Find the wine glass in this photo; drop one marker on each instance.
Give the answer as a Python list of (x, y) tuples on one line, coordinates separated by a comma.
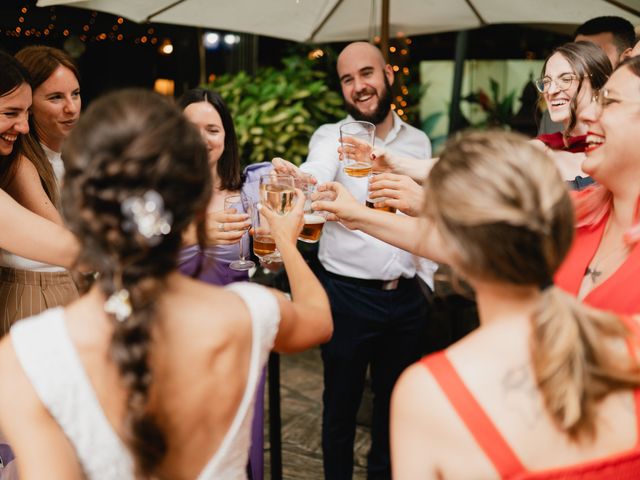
[(278, 192), (237, 203)]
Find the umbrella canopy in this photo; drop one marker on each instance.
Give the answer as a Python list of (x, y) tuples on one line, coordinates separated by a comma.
[(344, 20)]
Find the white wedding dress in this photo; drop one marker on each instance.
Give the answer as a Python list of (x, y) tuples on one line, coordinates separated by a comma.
[(51, 363)]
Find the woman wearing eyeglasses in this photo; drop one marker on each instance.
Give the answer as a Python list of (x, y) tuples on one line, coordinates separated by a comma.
[(603, 266), (570, 76)]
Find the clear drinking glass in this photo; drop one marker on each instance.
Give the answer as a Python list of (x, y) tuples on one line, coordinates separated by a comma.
[(239, 203), (278, 192), (264, 246), (375, 202), (357, 139), (313, 220)]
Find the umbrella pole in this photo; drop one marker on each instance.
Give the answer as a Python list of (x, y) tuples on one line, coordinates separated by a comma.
[(384, 30), (455, 115), (202, 58)]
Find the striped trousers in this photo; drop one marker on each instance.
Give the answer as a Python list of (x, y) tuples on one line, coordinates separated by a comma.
[(24, 293)]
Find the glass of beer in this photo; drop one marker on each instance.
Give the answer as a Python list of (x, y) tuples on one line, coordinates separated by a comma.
[(264, 246), (278, 192), (313, 220), (356, 139), (377, 202)]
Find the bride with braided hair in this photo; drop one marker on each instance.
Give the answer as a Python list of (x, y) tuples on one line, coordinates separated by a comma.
[(151, 374)]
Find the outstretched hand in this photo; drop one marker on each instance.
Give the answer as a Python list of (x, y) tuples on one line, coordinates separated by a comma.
[(398, 191), (226, 227), (284, 167), (285, 228), (334, 198), (356, 149)]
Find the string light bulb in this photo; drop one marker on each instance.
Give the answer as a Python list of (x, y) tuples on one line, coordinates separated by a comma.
[(166, 47)]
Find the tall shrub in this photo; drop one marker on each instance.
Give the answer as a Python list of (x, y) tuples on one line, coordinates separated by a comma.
[(276, 111)]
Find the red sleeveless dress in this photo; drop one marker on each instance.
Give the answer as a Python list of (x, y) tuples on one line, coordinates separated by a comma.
[(620, 293), (621, 466)]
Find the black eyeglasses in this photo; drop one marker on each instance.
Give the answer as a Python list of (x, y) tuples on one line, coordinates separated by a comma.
[(563, 82)]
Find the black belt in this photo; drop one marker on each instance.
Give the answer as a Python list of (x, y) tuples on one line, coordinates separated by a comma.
[(373, 284)]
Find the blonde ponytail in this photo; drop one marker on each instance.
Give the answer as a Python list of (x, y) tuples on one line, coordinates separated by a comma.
[(578, 360)]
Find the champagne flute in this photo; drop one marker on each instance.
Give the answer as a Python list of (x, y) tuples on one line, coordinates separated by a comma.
[(235, 202), (278, 192)]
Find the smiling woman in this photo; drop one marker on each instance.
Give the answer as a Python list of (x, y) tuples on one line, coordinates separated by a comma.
[(603, 267), (26, 286), (570, 75)]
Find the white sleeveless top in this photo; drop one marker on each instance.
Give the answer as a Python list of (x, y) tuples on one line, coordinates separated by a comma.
[(11, 260), (49, 358)]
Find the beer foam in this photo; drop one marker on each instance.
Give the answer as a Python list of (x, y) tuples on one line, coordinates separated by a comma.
[(313, 218)]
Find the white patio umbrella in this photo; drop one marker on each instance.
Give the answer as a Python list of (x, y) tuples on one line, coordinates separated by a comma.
[(344, 20)]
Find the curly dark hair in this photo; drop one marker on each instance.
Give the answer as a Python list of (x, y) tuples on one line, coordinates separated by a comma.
[(127, 143)]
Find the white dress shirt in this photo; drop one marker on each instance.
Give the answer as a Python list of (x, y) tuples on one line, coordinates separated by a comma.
[(8, 259), (354, 253)]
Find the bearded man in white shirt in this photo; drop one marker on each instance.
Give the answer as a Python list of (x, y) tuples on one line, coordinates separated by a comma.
[(379, 310)]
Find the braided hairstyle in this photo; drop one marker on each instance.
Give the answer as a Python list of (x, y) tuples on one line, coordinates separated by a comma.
[(127, 143), (506, 216)]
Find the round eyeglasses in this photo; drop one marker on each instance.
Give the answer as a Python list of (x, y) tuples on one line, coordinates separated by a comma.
[(563, 82), (603, 98)]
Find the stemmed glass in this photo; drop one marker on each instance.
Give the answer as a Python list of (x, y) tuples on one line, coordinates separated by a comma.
[(239, 203)]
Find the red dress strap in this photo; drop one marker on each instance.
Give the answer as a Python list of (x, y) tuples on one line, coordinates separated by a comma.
[(632, 344), (489, 439)]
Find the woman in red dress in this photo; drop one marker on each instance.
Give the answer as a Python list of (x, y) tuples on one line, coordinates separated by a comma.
[(546, 387), (603, 266)]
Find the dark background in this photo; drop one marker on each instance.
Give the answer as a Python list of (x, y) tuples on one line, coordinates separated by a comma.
[(112, 55)]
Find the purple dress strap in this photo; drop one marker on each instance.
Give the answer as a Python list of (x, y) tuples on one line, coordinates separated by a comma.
[(215, 270)]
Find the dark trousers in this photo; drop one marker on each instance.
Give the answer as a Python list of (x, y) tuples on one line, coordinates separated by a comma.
[(380, 328)]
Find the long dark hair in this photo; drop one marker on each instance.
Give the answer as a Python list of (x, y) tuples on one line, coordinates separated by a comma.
[(228, 167), (127, 143), (588, 61), (41, 61), (12, 76)]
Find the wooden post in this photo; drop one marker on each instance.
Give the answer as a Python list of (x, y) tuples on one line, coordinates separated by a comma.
[(455, 115), (384, 30)]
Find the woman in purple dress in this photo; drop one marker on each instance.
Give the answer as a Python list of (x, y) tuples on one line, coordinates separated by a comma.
[(207, 110)]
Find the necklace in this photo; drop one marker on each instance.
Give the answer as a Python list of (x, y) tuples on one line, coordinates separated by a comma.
[(593, 270)]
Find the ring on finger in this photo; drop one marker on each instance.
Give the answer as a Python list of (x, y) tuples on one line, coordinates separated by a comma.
[(221, 227)]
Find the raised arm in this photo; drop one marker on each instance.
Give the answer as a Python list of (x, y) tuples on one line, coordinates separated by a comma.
[(26, 188), (569, 164), (306, 319), (413, 234), (26, 234), (415, 168), (385, 160)]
